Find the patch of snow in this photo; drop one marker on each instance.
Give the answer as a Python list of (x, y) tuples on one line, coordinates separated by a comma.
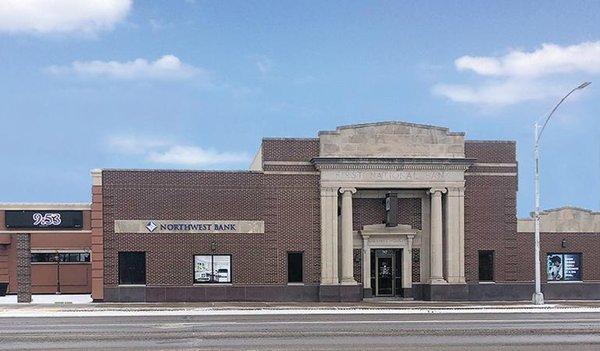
[(49, 299)]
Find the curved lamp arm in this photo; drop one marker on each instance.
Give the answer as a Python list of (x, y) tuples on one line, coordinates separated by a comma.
[(581, 86)]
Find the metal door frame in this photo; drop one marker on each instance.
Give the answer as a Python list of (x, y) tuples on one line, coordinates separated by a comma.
[(393, 257)]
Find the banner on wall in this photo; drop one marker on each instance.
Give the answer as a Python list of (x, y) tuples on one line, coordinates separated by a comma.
[(564, 267)]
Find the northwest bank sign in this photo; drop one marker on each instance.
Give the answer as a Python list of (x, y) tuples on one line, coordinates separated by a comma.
[(185, 226)]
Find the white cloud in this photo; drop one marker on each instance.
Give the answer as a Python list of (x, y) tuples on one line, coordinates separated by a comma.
[(165, 151), (61, 16), (133, 144), (167, 67), (497, 93), (195, 156), (547, 72), (547, 60)]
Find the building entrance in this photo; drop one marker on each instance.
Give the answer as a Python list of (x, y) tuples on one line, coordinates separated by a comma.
[(386, 272)]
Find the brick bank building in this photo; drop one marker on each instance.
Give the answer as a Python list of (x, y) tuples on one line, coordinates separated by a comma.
[(384, 209)]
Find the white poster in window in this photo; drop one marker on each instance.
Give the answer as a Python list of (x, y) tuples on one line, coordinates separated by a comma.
[(203, 269), (555, 267), (222, 269)]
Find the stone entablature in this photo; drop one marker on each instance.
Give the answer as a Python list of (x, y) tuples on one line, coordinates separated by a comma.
[(392, 173), (381, 237), (563, 220), (391, 139)]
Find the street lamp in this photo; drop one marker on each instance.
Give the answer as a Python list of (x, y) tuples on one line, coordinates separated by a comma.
[(538, 297)]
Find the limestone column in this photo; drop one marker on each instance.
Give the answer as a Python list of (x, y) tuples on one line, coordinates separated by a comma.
[(329, 236), (424, 257), (454, 230), (436, 239), (461, 233), (366, 263), (407, 266), (347, 264)]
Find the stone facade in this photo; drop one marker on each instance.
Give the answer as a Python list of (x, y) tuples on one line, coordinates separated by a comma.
[(391, 139)]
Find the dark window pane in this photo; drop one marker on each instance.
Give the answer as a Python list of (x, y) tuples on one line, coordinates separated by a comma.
[(42, 257), (132, 268), (84, 257), (295, 267), (486, 266)]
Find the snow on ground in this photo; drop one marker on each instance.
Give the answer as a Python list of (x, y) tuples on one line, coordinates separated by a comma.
[(49, 299), (299, 311)]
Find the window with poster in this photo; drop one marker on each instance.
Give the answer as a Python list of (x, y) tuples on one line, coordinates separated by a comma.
[(212, 269), (563, 267)]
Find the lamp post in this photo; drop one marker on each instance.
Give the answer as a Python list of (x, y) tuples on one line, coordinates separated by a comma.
[(538, 297)]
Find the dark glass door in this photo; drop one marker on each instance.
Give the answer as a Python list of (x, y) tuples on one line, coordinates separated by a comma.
[(385, 276)]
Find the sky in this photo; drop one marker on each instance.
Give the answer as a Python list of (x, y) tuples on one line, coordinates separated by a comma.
[(196, 84)]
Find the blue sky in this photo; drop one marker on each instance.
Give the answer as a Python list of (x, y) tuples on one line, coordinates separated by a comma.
[(197, 84)]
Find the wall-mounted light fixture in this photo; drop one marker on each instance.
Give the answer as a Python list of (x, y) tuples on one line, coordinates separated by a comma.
[(563, 243), (213, 246)]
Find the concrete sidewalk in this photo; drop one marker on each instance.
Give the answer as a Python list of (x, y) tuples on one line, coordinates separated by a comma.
[(61, 308)]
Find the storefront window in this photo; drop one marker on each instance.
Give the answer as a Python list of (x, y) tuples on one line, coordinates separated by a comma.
[(563, 266), (74, 257), (132, 268), (212, 269)]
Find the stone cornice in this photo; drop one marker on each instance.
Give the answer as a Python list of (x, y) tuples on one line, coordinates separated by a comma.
[(387, 123), (396, 164), (43, 206)]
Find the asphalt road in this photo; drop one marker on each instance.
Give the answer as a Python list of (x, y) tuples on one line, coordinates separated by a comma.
[(552, 331)]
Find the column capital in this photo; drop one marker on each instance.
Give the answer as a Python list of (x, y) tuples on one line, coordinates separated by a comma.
[(345, 190), (456, 191), (435, 191), (328, 192)]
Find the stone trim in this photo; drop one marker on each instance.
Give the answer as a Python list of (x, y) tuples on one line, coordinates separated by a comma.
[(563, 220), (291, 172), (46, 206), (96, 177), (287, 163), (487, 164), (35, 231), (491, 174), (397, 164), (363, 125)]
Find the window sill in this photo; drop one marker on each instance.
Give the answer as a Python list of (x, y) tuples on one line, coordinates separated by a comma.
[(130, 285), (564, 282), (295, 284), (212, 284), (487, 282)]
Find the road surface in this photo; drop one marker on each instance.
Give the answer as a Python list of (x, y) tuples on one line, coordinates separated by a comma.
[(523, 331)]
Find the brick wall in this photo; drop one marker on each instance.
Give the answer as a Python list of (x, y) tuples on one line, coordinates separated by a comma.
[(588, 244), (289, 205), (372, 211), (289, 149), (490, 209), (23, 267), (416, 266)]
